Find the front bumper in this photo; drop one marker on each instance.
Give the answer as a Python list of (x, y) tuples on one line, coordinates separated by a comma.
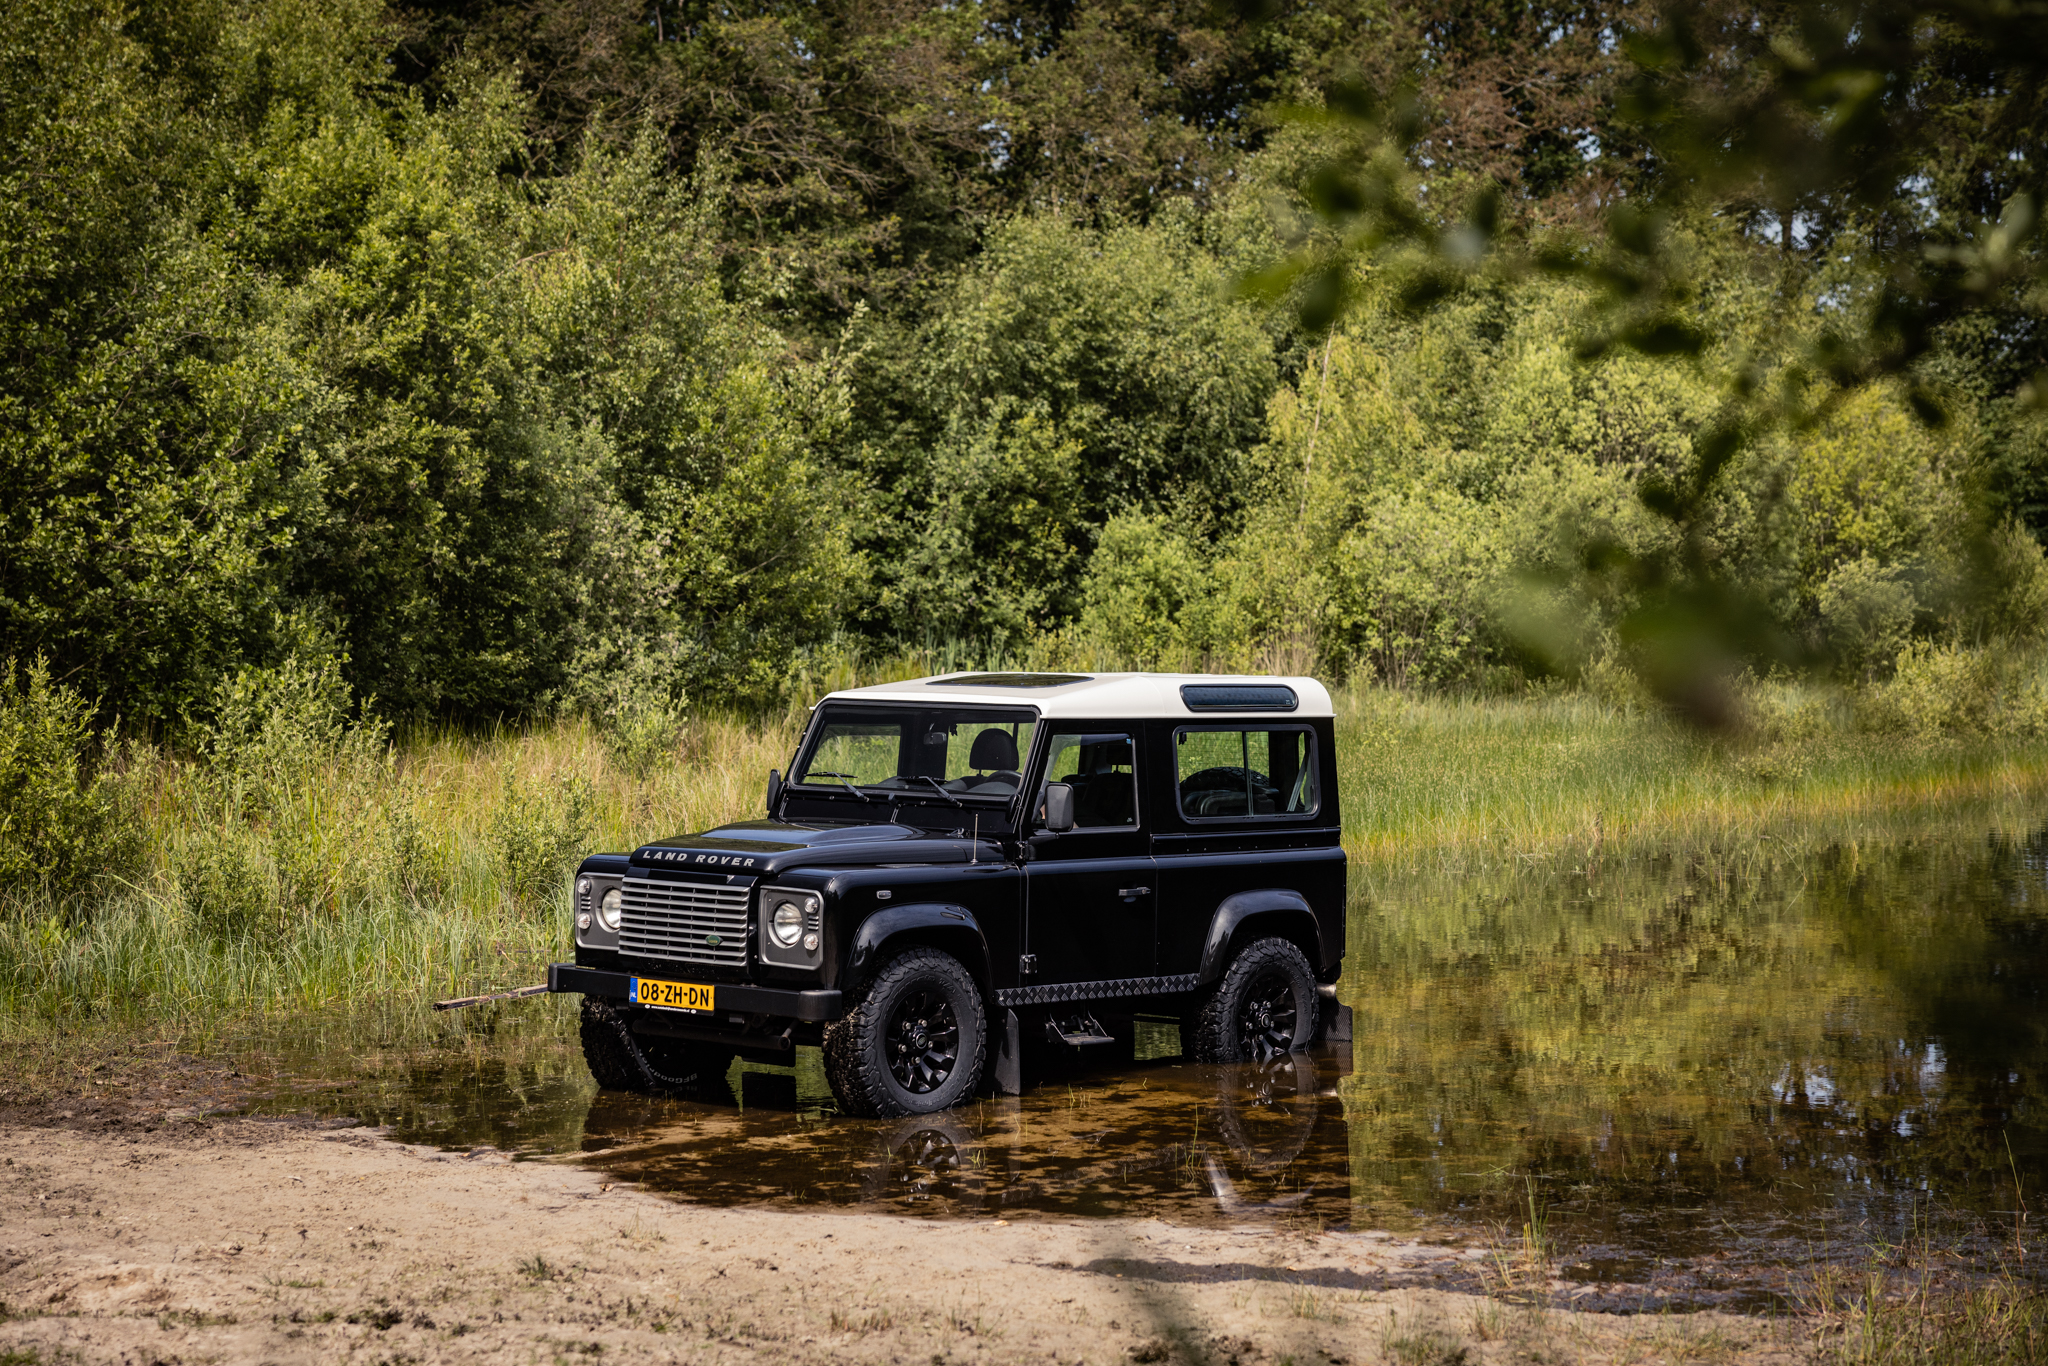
[(811, 1006)]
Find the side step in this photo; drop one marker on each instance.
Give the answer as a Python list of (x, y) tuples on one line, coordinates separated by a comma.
[(1080, 1030)]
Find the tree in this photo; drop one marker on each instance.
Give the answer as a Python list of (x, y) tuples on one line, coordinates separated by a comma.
[(1068, 376), (1908, 139), (317, 370)]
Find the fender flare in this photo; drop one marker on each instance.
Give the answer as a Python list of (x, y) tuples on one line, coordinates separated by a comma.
[(932, 922), (1285, 907)]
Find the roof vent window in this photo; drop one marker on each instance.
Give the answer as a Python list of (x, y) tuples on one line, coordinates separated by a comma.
[(1238, 697), (1008, 681)]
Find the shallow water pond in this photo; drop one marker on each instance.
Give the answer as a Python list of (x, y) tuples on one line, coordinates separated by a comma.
[(1685, 1074)]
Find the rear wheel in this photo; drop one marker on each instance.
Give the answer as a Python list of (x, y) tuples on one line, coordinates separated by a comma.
[(914, 1042), (1264, 1006)]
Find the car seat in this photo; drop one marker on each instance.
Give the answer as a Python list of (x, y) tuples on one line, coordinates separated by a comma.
[(993, 750), (1102, 795)]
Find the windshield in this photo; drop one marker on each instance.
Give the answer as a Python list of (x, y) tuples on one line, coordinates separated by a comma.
[(954, 751)]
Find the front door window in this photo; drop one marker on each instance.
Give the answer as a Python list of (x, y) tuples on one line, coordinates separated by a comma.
[(1103, 771)]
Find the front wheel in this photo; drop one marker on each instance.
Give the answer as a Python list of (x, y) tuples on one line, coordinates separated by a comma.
[(915, 1041), (1262, 1007)]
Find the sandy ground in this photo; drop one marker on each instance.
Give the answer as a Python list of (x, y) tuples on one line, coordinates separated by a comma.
[(146, 1239)]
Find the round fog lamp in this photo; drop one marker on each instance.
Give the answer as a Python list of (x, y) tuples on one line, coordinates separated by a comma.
[(787, 922), (608, 909)]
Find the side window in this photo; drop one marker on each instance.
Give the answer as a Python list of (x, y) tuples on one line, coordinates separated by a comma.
[(1103, 771), (1239, 772)]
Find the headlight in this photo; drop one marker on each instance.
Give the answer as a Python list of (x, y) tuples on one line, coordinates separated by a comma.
[(787, 922), (609, 907)]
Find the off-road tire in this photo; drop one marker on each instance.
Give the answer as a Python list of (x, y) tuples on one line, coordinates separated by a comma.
[(606, 1050), (1240, 1017), (619, 1061), (861, 1048)]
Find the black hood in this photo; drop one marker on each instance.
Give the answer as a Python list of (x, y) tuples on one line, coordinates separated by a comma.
[(757, 847)]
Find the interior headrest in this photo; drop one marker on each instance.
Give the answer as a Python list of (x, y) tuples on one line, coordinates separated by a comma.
[(1104, 755), (993, 749)]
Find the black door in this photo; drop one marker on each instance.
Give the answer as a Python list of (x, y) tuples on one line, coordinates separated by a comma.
[(1091, 892)]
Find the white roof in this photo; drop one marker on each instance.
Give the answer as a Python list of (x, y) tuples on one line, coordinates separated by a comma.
[(1093, 696)]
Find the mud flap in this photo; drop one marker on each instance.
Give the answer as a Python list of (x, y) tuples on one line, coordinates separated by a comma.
[(1333, 1020), (1009, 1068)]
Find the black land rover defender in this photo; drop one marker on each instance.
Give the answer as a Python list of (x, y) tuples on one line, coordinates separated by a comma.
[(956, 862)]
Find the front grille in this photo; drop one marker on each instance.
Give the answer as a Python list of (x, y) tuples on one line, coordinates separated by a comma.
[(672, 919)]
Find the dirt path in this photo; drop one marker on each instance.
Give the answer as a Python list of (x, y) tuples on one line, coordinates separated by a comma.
[(248, 1241)]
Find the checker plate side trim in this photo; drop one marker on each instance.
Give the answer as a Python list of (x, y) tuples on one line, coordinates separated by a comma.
[(1055, 993)]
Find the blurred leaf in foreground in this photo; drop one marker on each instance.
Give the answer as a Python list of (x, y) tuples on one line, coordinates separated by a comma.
[(1885, 159)]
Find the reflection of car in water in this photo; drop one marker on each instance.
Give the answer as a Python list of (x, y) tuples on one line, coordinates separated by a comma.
[(924, 1158), (1267, 1112), (1244, 1142), (959, 865)]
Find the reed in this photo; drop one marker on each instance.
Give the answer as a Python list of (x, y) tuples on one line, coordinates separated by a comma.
[(1910, 1306), (439, 871), (1457, 784), (369, 881)]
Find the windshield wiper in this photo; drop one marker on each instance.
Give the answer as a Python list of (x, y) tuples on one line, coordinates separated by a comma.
[(939, 788), (842, 777)]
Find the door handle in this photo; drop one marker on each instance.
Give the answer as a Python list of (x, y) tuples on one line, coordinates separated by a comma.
[(1134, 891)]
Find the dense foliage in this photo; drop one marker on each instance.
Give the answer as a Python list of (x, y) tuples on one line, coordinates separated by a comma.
[(506, 359)]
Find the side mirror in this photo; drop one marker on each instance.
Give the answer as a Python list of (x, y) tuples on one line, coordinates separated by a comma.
[(774, 791), (1059, 807)]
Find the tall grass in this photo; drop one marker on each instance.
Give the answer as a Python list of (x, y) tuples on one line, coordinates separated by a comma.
[(300, 870), (441, 871), (1457, 783), (1915, 1305)]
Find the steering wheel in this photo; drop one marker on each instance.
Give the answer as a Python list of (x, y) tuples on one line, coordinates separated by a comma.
[(1230, 779)]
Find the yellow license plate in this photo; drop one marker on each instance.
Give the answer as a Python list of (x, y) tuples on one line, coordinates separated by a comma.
[(674, 995)]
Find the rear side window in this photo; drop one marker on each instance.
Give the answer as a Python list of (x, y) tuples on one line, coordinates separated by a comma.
[(1240, 772)]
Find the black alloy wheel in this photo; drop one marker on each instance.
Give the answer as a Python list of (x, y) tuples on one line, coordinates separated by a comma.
[(1263, 1007), (1266, 1017), (914, 1041), (922, 1041)]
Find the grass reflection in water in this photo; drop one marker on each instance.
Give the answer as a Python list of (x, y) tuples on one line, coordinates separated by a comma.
[(1738, 1056), (1699, 1076)]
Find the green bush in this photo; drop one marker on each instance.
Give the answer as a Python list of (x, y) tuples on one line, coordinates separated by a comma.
[(1938, 689), (281, 759), (59, 825), (538, 832), (224, 885), (418, 860), (1868, 614), (1068, 377), (1416, 585), (274, 736), (1141, 583)]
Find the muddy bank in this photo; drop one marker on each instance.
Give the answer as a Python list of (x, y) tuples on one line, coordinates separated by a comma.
[(246, 1241)]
